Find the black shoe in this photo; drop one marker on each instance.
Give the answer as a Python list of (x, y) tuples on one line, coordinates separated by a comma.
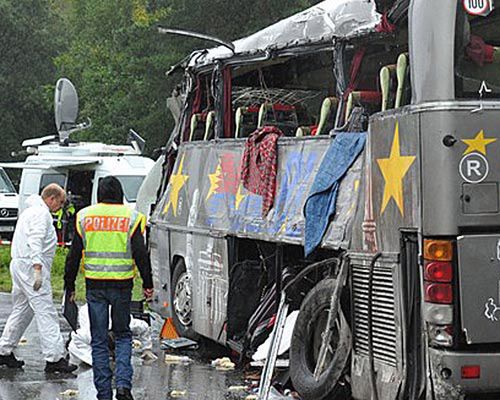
[(11, 361), (123, 394), (61, 366)]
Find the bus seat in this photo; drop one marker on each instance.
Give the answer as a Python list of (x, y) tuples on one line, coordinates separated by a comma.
[(327, 115), (263, 110), (326, 119), (283, 116), (303, 131), (209, 126), (402, 69), (362, 98), (197, 127), (387, 86), (245, 120)]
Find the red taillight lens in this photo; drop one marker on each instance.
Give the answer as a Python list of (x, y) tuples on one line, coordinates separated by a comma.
[(440, 293), (438, 271), (471, 372)]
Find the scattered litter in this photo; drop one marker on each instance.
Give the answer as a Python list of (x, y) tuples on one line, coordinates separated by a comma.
[(274, 394), (178, 343), (280, 363), (172, 359), (253, 375), (178, 393), (234, 389), (136, 344), (70, 393), (23, 341), (223, 364), (286, 339), (148, 355)]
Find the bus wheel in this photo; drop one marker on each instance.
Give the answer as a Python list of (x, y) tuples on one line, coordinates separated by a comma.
[(182, 301), (306, 343)]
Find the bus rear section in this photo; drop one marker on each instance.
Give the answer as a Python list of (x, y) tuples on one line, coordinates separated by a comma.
[(461, 245), (460, 211)]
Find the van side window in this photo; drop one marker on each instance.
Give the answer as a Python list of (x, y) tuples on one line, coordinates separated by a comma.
[(47, 179)]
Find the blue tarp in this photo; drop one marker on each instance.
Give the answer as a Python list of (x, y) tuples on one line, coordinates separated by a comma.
[(321, 202)]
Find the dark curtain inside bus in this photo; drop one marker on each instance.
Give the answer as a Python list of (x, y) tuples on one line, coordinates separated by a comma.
[(245, 290)]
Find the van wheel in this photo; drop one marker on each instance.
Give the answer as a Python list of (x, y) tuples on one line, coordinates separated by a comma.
[(182, 302), (306, 343)]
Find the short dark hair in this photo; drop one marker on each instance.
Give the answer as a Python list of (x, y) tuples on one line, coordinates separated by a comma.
[(110, 190)]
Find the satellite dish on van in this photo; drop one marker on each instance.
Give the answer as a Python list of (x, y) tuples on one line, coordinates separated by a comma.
[(65, 105), (66, 109)]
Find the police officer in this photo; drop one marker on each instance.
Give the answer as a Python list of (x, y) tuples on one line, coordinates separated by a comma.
[(110, 234)]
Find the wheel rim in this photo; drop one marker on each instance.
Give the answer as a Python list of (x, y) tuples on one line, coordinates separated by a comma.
[(316, 328), (182, 299)]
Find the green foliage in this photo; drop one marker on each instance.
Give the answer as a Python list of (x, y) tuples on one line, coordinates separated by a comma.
[(117, 60), (57, 276), (113, 54), (31, 38)]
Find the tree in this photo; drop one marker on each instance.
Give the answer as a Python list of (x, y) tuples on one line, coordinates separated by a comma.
[(30, 33), (117, 60)]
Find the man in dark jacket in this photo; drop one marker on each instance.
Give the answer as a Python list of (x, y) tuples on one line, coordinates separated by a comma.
[(110, 237)]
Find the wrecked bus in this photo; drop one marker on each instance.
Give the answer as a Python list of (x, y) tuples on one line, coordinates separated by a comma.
[(348, 158)]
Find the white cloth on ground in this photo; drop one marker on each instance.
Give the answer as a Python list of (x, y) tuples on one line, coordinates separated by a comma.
[(79, 347)]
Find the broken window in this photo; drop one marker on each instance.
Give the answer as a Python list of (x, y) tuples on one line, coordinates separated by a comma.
[(477, 55)]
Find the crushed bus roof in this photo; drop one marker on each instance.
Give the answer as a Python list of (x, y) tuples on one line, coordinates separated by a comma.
[(318, 24)]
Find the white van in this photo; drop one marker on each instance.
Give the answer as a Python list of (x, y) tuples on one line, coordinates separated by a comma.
[(8, 206), (78, 166)]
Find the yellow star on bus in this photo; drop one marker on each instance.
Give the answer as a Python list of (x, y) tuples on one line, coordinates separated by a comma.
[(479, 143), (215, 179), (239, 197), (176, 183), (394, 170)]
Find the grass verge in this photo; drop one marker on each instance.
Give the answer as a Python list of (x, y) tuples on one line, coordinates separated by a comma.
[(57, 275)]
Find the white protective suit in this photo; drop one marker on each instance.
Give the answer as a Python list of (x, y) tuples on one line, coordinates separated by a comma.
[(34, 242)]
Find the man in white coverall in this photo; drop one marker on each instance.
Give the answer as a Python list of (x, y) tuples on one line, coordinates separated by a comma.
[(32, 252)]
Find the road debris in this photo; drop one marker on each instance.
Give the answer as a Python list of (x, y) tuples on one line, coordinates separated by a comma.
[(223, 364), (178, 343), (69, 393), (173, 359), (148, 355), (178, 393), (234, 389)]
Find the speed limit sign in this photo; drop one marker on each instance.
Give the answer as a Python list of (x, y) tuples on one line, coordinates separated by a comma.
[(478, 7)]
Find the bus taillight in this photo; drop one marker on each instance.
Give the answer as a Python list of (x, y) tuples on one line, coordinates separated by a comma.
[(439, 250), (438, 271), (440, 293), (438, 290)]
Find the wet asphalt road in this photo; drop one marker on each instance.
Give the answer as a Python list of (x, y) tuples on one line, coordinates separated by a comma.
[(154, 381)]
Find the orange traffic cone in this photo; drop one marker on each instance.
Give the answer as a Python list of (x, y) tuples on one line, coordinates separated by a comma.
[(168, 330)]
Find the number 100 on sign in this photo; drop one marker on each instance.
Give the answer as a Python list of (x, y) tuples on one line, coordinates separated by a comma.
[(478, 7)]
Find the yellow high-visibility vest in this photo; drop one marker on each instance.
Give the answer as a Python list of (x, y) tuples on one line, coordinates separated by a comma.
[(106, 231)]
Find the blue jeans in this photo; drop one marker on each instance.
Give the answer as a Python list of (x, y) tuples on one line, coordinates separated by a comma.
[(99, 301)]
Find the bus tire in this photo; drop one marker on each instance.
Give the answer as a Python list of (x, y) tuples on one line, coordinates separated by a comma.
[(182, 302), (306, 341)]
